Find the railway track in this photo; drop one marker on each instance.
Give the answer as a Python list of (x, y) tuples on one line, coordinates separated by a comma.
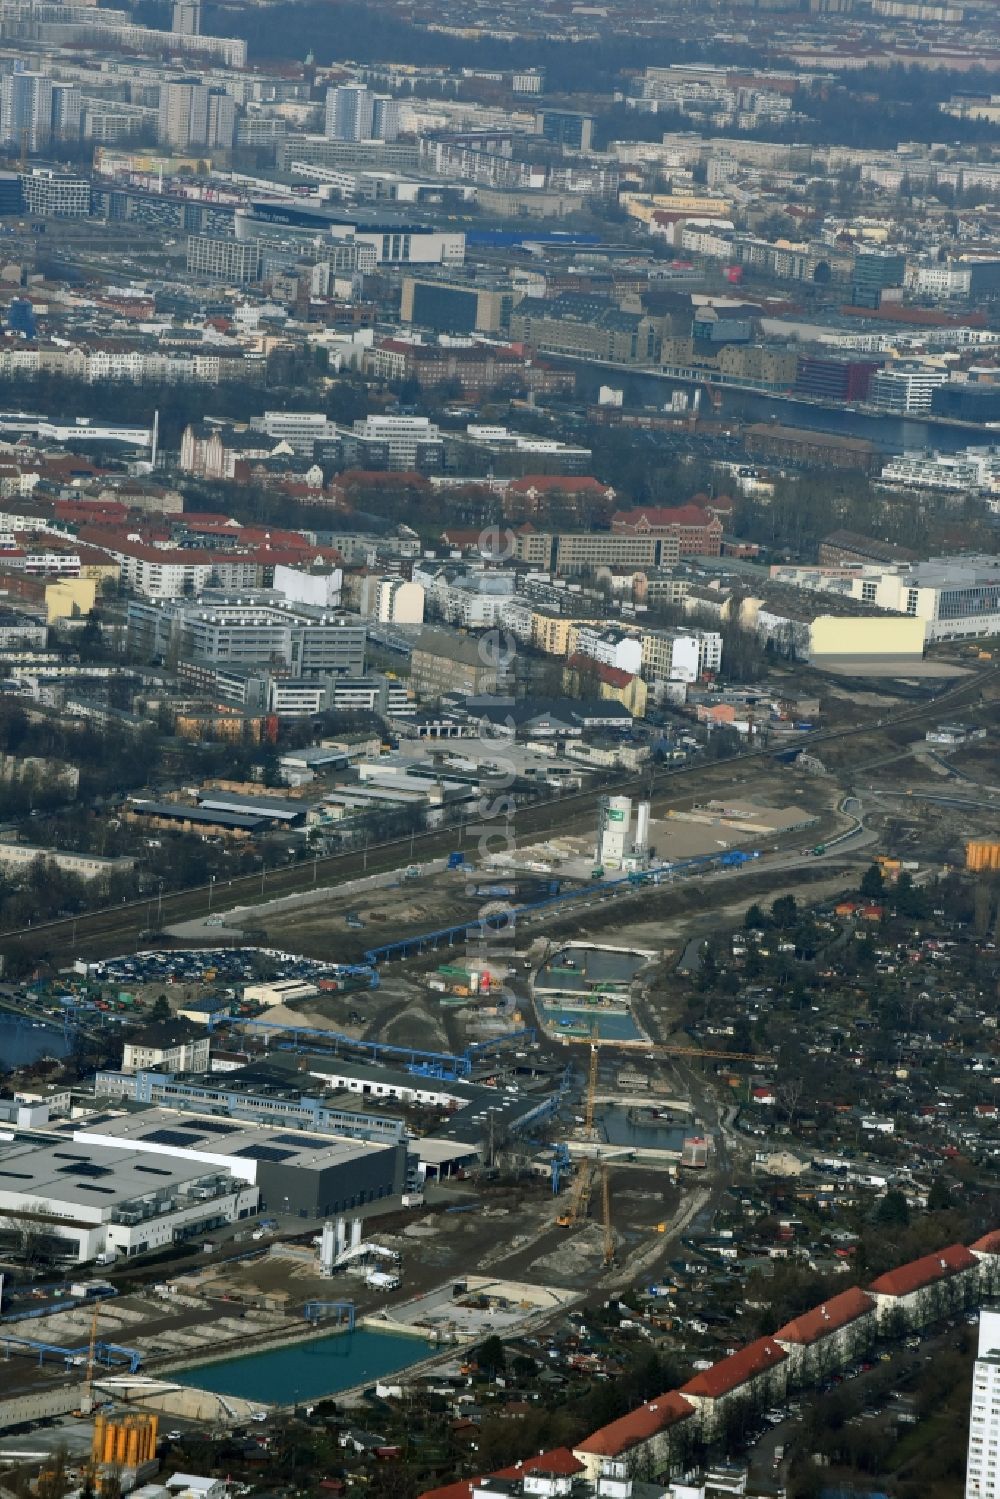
[(119, 928)]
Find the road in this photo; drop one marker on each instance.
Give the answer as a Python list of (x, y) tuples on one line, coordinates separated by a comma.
[(119, 928)]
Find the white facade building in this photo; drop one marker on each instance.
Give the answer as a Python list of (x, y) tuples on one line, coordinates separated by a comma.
[(610, 648), (399, 602), (318, 587), (982, 1475), (680, 655), (977, 468), (939, 281), (403, 435), (98, 1200), (958, 598), (906, 387), (300, 429), (177, 1052)]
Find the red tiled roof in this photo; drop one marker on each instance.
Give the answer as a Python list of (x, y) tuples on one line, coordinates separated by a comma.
[(559, 1461), (614, 676), (459, 536), (462, 1490), (831, 1315), (989, 1243), (924, 1272), (637, 1426), (563, 483), (661, 515), (738, 1369)]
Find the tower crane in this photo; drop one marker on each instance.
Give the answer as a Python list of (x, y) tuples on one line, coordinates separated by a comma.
[(580, 1202), (588, 1113), (609, 1233), (87, 1403)]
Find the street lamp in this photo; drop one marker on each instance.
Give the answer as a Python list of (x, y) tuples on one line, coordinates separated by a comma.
[(211, 891)]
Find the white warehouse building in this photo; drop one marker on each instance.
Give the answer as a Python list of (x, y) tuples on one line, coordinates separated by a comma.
[(94, 1201)]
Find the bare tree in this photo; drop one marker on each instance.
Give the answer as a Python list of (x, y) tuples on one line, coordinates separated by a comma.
[(29, 1235), (788, 1093)]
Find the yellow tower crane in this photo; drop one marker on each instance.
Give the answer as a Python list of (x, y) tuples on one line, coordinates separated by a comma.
[(87, 1404), (609, 1233), (588, 1112), (580, 1202)]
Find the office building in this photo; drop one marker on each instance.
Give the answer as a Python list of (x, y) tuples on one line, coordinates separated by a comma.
[(957, 598), (258, 628), (906, 387), (827, 378), (876, 272), (226, 260), (26, 110), (302, 430), (172, 1046), (412, 442), (11, 199), (587, 327), (456, 306), (48, 194), (565, 127), (350, 112), (443, 662)]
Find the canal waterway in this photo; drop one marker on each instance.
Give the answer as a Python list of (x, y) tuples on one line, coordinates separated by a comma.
[(890, 434), (569, 990), (23, 1041), (308, 1371), (637, 1126)]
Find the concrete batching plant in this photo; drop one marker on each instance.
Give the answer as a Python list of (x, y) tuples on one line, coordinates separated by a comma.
[(616, 848)]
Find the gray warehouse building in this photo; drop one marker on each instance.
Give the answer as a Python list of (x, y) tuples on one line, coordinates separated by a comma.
[(297, 1172)]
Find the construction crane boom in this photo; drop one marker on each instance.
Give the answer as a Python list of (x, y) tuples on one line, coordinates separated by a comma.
[(664, 1049), (87, 1404), (609, 1233), (703, 1051), (580, 1201), (588, 1113)]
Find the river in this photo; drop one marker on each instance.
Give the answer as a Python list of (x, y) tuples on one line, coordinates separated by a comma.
[(891, 434)]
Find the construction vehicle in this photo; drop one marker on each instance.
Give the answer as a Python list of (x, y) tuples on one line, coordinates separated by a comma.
[(580, 1202)]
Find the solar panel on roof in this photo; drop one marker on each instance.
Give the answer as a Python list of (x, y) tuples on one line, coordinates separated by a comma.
[(264, 1153), (294, 1139), (217, 1127), (172, 1137), (84, 1168)]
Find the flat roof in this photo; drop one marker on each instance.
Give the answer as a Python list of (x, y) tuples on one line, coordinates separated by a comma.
[(177, 812), (168, 1131), (253, 806), (90, 1175)]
